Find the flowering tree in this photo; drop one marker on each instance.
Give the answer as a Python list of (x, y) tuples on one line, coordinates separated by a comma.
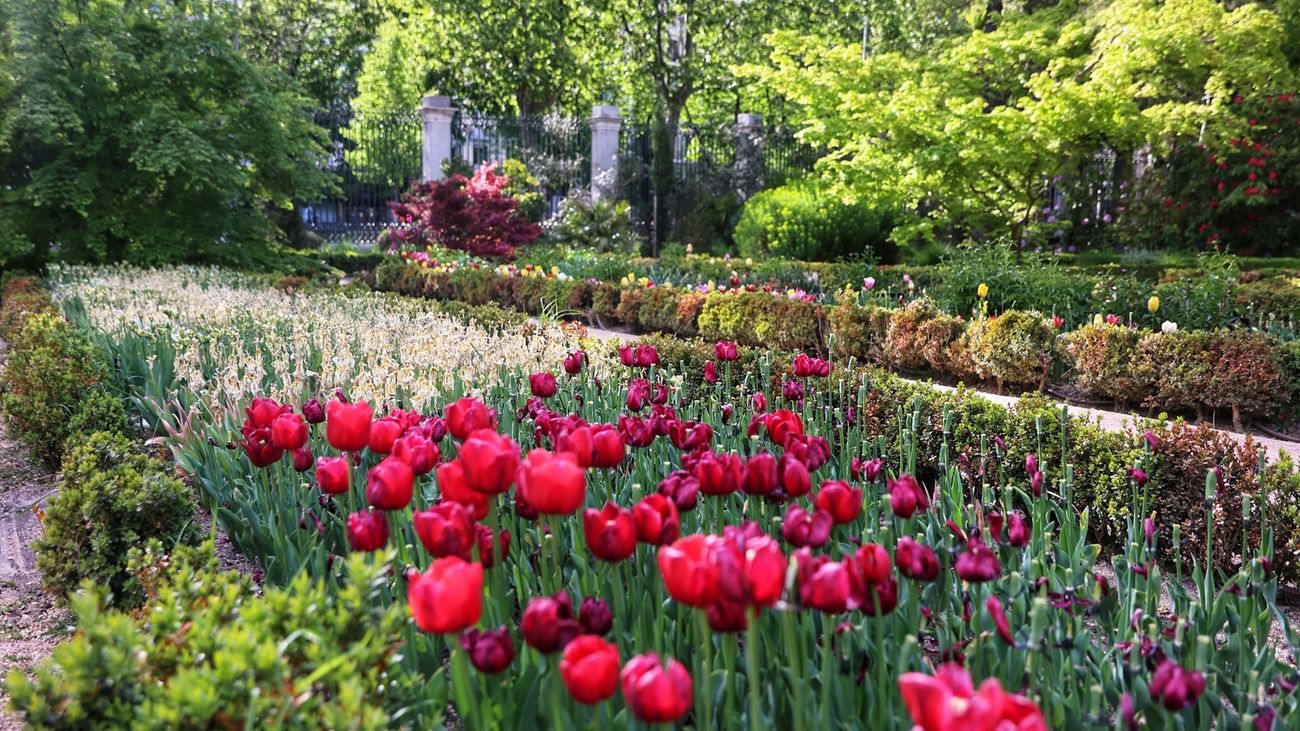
[(468, 214)]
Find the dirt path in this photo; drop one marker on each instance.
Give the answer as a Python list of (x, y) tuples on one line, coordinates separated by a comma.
[(30, 622), (1109, 420)]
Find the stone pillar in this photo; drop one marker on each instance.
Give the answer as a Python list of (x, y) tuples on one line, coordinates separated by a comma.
[(605, 126), (749, 155), (437, 113)]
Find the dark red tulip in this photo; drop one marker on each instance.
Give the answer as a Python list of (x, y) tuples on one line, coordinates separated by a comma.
[(1017, 531), (589, 669), (543, 385), (418, 452), (445, 529), (801, 529), (1128, 713), (995, 521), (454, 486), (574, 362), (812, 451), (809, 367), (873, 563), (548, 624), (710, 372), (1176, 687), (313, 412), (490, 551), (689, 571), (1036, 484), (878, 600), (655, 693), (334, 475), (999, 616), (491, 461), (552, 483), (792, 391), (978, 563), (1139, 476), (435, 428), (727, 616), (682, 488), (610, 532), (646, 356), (303, 459), (1152, 441), (448, 597), (257, 445), (638, 394), (725, 350), (347, 426), (389, 485), (657, 520), (916, 560), (826, 588), (289, 431), (635, 430), (760, 474), (595, 617), (367, 530), (468, 415), (868, 470), (759, 402), (793, 476), (906, 495), (718, 474), (490, 651), (727, 411), (1031, 464)]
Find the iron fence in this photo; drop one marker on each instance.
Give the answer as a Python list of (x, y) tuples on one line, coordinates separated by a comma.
[(555, 150)]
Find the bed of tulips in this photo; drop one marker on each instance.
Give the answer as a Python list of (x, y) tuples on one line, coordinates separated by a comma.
[(583, 548)]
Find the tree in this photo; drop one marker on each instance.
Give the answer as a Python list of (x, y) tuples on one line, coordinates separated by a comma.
[(134, 131)]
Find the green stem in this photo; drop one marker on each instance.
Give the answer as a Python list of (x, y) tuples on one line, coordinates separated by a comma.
[(706, 681), (751, 671), (799, 676), (461, 686)]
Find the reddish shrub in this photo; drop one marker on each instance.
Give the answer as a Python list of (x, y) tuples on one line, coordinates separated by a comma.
[(467, 214)]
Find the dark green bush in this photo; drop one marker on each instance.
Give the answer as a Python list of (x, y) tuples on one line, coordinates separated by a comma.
[(601, 226), (213, 652), (800, 222), (112, 499)]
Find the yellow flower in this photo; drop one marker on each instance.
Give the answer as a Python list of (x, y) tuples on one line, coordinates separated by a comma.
[(1153, 304), (983, 290), (1097, 319)]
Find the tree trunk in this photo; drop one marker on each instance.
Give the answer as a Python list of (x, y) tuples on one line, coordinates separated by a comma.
[(992, 15)]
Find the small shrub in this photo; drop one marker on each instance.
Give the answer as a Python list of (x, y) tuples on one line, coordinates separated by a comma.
[(799, 222), (903, 343), (761, 319), (98, 411), (215, 654), (1103, 361), (859, 332), (1016, 348), (112, 498), (1173, 370), (1247, 375), (600, 226), (22, 296), (475, 215)]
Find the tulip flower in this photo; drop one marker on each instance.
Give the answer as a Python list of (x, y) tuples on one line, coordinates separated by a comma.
[(655, 693), (1152, 441), (313, 412), (589, 669), (759, 402), (948, 701), (916, 560), (873, 563), (552, 483), (793, 476), (689, 571), (289, 431), (982, 291), (710, 372), (719, 474), (1153, 304), (826, 588), (448, 597), (869, 283), (1168, 328), (610, 532), (467, 415), (490, 651), (454, 486), (334, 475), (1017, 531), (999, 616), (389, 485), (906, 495), (1139, 476), (347, 426), (574, 362), (841, 500), (595, 617), (978, 563), (760, 474), (548, 624), (418, 452), (257, 445), (801, 529), (303, 459), (367, 530), (682, 488), (805, 366), (491, 461), (608, 446), (445, 529), (657, 520), (725, 350), (1175, 686), (868, 470), (876, 600), (543, 385)]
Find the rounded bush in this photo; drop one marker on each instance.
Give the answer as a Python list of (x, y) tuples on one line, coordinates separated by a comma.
[(800, 222), (1016, 348)]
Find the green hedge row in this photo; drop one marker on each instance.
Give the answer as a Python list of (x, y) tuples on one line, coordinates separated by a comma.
[(1247, 374)]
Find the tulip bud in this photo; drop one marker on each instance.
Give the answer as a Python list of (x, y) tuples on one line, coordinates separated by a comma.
[(595, 616), (490, 651)]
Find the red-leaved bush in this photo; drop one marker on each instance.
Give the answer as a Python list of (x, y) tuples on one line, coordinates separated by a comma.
[(469, 214)]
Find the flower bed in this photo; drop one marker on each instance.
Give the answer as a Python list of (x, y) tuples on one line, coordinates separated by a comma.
[(594, 542)]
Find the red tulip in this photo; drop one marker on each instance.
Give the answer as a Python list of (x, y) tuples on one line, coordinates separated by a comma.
[(595, 617), (806, 367), (868, 470), (289, 431), (448, 597), (553, 484), (367, 530), (710, 372), (467, 415), (383, 432), (947, 701), (793, 476), (257, 445), (1139, 476), (760, 474), (689, 572), (389, 484), (334, 475), (826, 588), (635, 430), (1017, 531), (347, 427), (657, 520), (764, 571), (491, 651), (682, 488), (490, 460), (574, 362), (543, 385), (303, 459), (418, 452), (454, 486), (995, 521), (638, 394), (792, 390), (916, 560), (610, 532), (727, 616), (999, 615), (978, 563), (488, 552), (654, 693), (726, 350), (589, 669), (313, 412), (873, 563), (548, 623), (445, 529), (608, 447), (719, 474), (759, 402), (1175, 686), (906, 495), (841, 500), (781, 424), (877, 600), (803, 529), (262, 412)]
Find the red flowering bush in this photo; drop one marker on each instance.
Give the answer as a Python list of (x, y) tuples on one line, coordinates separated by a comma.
[(467, 214)]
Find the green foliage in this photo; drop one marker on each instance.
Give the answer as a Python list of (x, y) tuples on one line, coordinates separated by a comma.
[(758, 319), (599, 226), (1016, 348), (22, 296), (112, 499), (137, 132), (51, 370), (215, 652), (802, 222), (1103, 362), (99, 411)]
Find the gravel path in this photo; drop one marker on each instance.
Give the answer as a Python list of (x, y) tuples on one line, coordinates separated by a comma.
[(1109, 420)]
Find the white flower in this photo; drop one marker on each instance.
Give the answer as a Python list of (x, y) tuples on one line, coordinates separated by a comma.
[(1169, 327)]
